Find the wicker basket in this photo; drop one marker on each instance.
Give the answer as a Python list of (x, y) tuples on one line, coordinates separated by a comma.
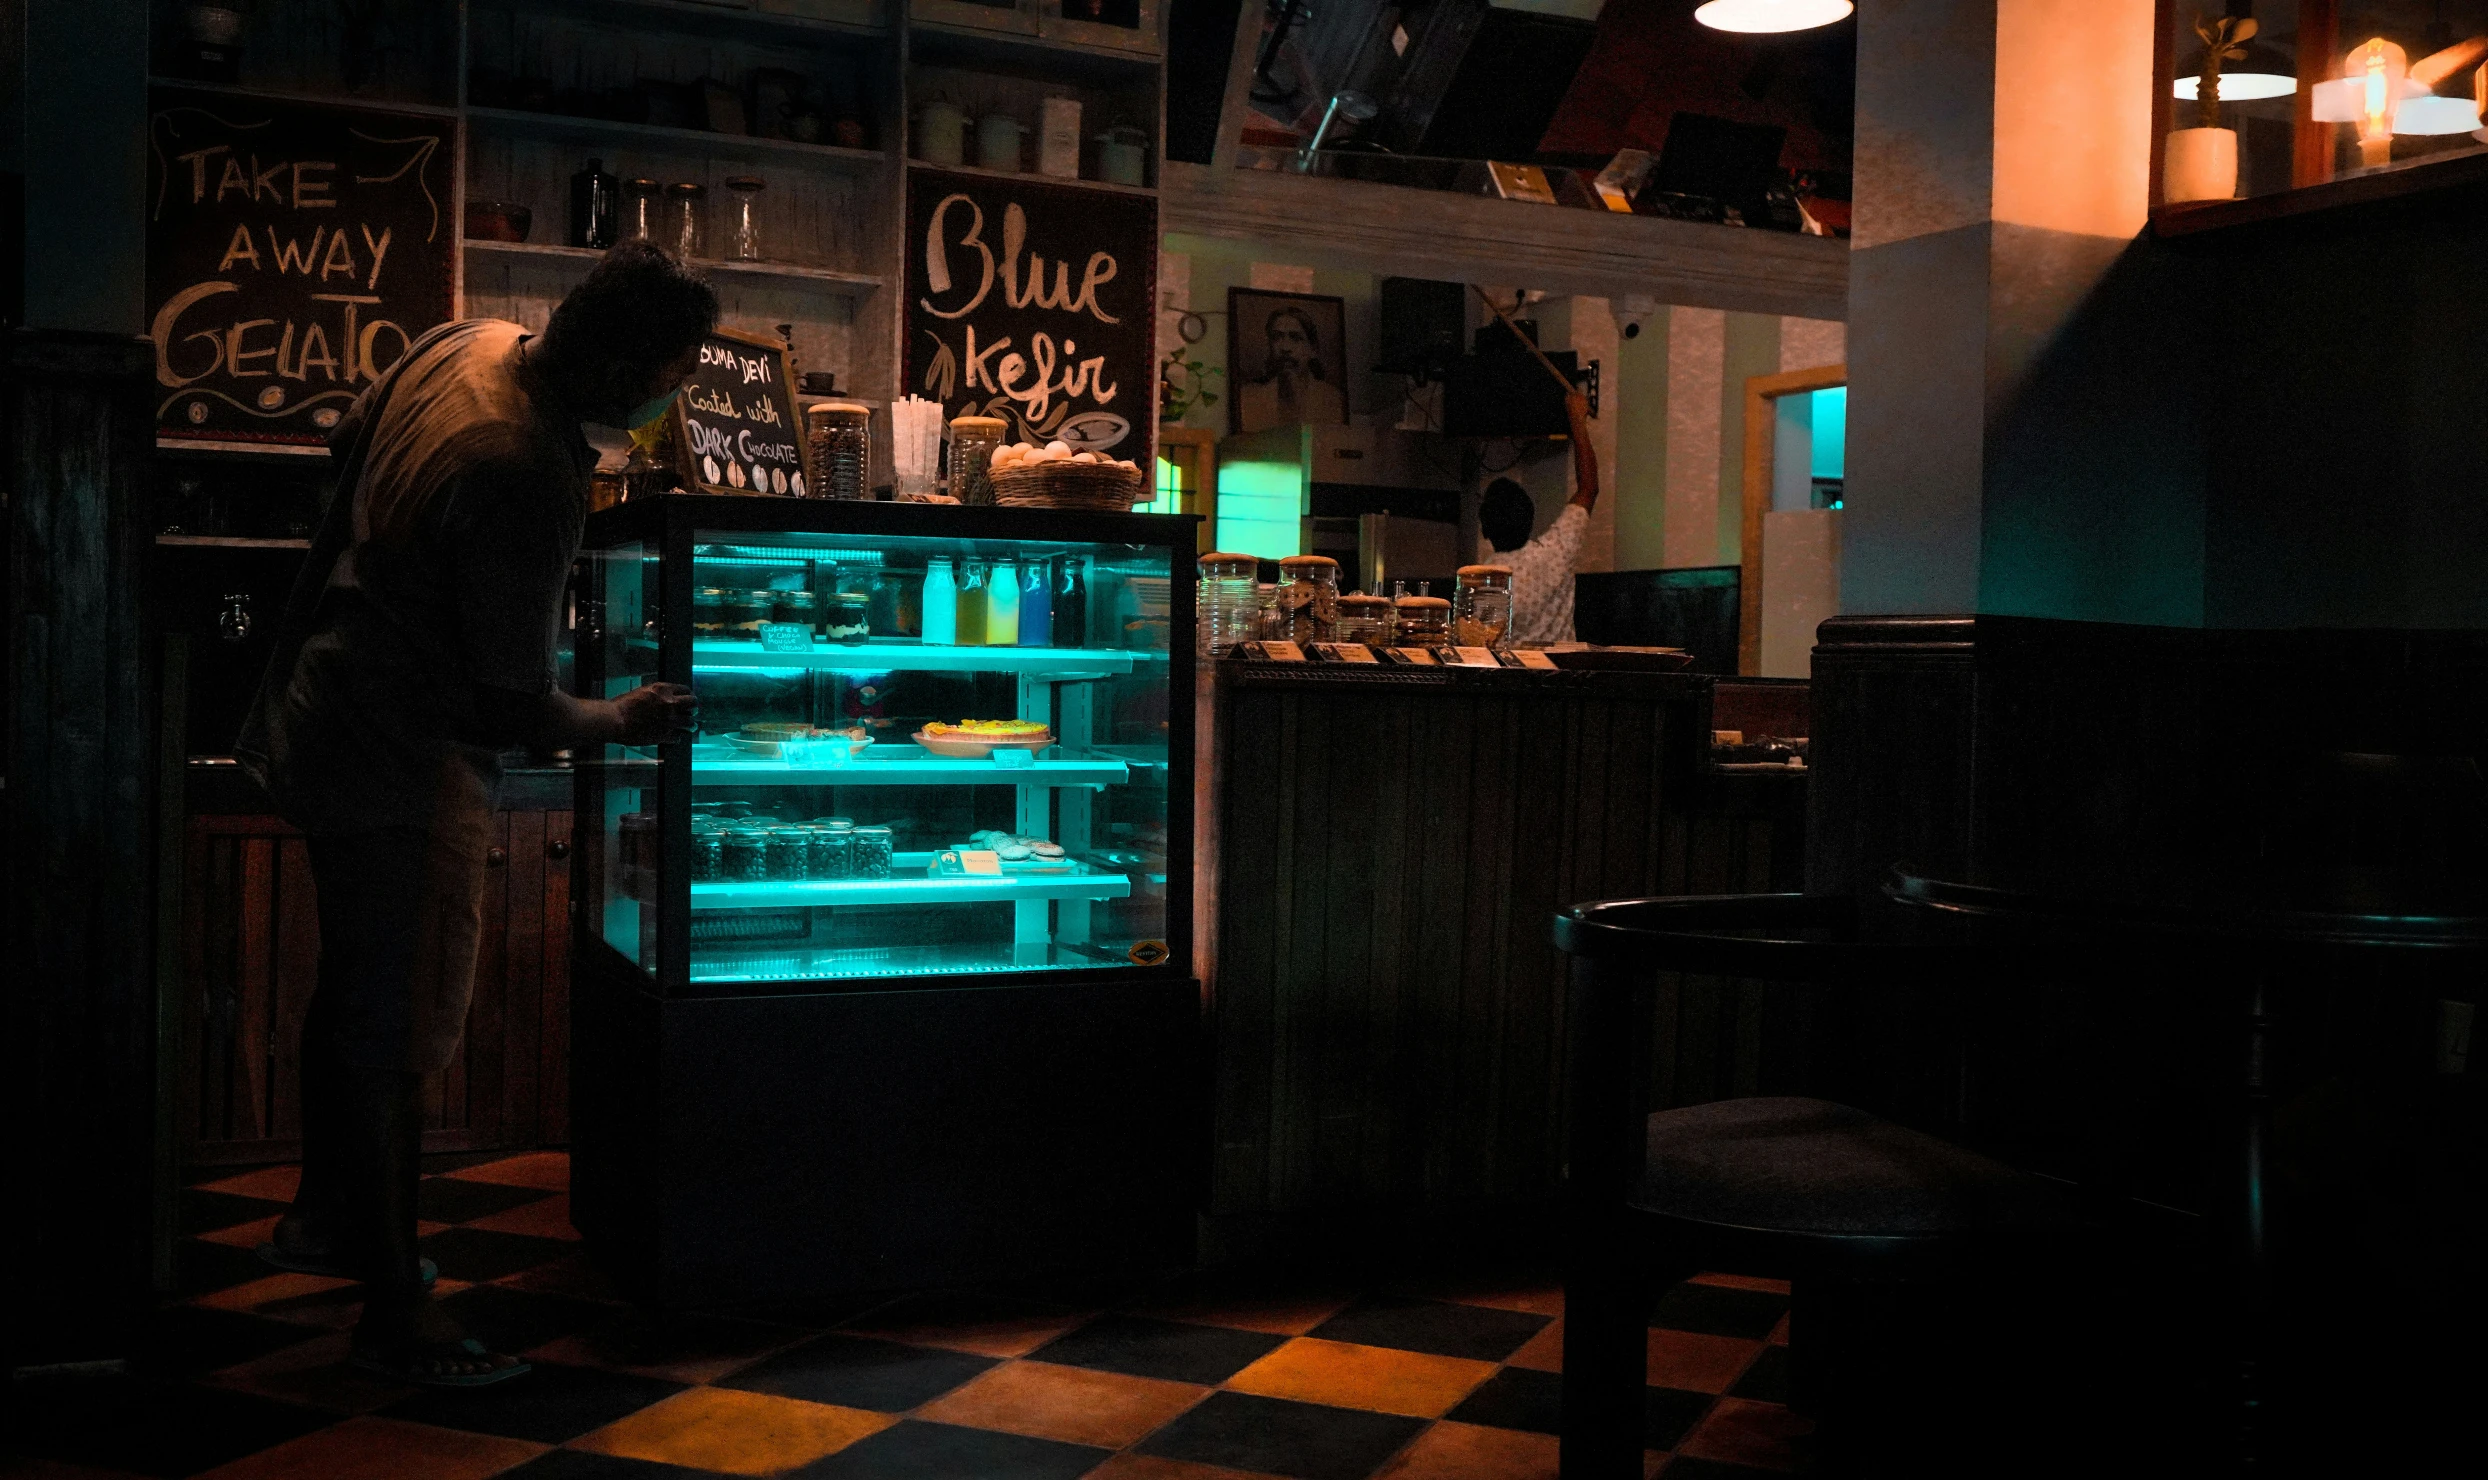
[(1098, 487)]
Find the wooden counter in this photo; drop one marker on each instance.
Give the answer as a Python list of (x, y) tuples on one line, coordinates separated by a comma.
[(1386, 1005)]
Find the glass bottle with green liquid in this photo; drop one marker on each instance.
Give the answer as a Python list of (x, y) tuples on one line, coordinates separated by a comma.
[(973, 575)]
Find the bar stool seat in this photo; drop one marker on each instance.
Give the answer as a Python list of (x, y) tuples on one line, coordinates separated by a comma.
[(1862, 1215), (1797, 1166)]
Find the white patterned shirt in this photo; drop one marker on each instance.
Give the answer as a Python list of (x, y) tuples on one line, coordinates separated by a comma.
[(1542, 579)]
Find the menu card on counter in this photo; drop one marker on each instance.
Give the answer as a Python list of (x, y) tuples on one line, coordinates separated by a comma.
[(1274, 651), (1472, 657), (1344, 652), (1532, 658), (1413, 657)]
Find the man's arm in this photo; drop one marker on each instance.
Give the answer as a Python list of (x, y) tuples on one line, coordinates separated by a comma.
[(653, 714), (1584, 456)]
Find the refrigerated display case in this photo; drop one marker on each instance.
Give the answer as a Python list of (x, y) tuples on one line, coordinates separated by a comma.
[(885, 977)]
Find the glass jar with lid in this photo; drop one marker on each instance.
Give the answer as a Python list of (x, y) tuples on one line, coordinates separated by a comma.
[(1481, 606), (746, 610), (841, 436), (1424, 621), (803, 608), (973, 440), (1308, 599), (873, 855), (642, 210), (708, 611), (1366, 619), (833, 848), (1227, 602), (686, 218)]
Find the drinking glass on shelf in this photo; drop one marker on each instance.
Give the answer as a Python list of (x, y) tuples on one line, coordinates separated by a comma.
[(746, 244)]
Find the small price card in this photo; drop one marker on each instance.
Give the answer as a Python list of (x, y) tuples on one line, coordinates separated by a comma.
[(1473, 657), (1414, 657), (1345, 652), (1532, 658), (785, 637), (1276, 651)]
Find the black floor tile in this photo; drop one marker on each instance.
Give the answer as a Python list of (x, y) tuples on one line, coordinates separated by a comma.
[(810, 1312), (579, 1464), (549, 1405), (1278, 1437), (201, 1268), (1668, 1414), (1139, 1347), (185, 1340), (453, 1200), (1515, 1398), (477, 1254), (1435, 1327), (145, 1427), (514, 1320), (1715, 1311), (1767, 1380), (855, 1372), (205, 1212), (938, 1451)]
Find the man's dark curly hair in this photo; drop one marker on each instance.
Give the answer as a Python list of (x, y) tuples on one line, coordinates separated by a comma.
[(640, 306)]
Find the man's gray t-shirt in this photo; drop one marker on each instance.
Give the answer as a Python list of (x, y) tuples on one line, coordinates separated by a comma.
[(465, 521)]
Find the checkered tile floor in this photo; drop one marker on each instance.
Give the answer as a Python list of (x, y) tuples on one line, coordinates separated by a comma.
[(1193, 1378)]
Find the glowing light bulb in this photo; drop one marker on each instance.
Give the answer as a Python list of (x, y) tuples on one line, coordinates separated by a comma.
[(1756, 17), (2378, 69)]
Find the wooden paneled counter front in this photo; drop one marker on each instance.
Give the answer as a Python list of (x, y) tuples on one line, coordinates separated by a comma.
[(1386, 1004)]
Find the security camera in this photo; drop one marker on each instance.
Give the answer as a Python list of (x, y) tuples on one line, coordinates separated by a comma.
[(1632, 311)]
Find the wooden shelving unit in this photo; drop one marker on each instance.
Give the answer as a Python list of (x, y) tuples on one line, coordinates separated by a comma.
[(831, 217)]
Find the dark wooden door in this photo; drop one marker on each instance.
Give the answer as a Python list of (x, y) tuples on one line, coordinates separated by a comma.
[(250, 950)]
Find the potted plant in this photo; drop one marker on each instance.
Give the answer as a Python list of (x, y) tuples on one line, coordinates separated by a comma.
[(2201, 162), (1183, 384)]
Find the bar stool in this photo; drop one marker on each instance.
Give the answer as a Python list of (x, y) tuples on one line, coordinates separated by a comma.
[(1820, 1193)]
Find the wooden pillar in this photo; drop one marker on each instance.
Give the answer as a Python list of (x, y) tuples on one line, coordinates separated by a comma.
[(77, 1011)]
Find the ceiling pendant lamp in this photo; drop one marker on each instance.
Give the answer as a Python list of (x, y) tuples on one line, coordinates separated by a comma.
[(1760, 17)]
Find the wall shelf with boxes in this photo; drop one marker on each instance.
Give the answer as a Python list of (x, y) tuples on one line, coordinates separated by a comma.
[(995, 83)]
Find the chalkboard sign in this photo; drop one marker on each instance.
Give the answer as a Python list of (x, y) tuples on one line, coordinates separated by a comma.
[(294, 250), (735, 426), (1037, 304)]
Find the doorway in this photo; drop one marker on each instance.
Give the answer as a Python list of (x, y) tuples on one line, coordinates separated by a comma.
[(1796, 426)]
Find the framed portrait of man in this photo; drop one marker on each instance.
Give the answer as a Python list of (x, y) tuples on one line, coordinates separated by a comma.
[(1286, 359)]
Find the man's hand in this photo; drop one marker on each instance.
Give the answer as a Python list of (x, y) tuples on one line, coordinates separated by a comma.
[(1584, 456), (657, 714)]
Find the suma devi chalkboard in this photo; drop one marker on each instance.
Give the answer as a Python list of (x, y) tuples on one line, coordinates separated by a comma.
[(294, 250), (1037, 304), (735, 427)]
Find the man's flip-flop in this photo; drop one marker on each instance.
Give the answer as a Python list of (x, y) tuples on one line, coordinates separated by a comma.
[(316, 1264), (407, 1368)]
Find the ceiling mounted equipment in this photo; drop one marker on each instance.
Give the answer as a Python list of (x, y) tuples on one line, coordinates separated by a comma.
[(1763, 17)]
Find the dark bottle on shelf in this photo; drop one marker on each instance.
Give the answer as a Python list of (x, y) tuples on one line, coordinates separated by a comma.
[(1070, 605), (595, 207)]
